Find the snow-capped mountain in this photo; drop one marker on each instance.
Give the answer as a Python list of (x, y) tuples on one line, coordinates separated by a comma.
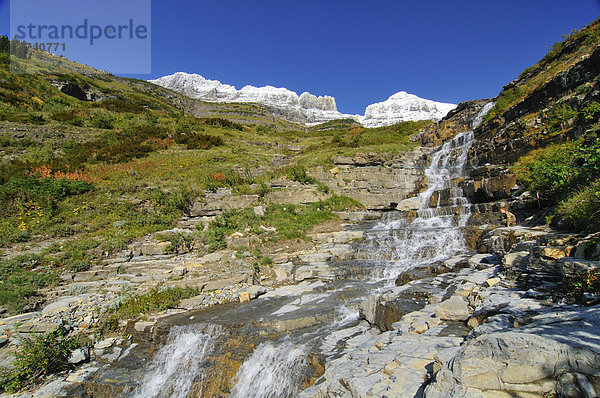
[(305, 108), (402, 107)]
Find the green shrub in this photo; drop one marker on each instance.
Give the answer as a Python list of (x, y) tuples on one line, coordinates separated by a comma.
[(42, 154), (103, 120), (262, 189), (7, 141), (551, 172), (581, 212), (39, 357), (215, 121), (176, 240), (591, 112), (266, 261), (558, 116), (299, 174), (68, 117), (124, 150), (36, 119), (323, 187), (46, 191), (193, 140), (568, 174)]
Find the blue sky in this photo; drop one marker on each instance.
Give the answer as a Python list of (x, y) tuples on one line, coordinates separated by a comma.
[(357, 51)]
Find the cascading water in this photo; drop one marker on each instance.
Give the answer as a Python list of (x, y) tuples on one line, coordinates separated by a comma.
[(435, 234), (178, 365), (273, 371)]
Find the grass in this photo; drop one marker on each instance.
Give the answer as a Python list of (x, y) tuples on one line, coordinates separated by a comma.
[(289, 221), (21, 278), (157, 299)]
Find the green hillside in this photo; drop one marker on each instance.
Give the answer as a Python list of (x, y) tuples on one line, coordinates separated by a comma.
[(89, 167)]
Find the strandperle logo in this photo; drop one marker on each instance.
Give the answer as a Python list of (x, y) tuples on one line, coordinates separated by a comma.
[(85, 31), (110, 35)]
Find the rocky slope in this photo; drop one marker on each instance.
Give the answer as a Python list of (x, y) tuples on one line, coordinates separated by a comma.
[(306, 108)]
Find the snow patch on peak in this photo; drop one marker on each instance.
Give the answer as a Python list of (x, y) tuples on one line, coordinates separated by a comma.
[(307, 108)]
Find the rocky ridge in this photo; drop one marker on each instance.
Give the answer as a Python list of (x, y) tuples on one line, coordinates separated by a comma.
[(306, 108)]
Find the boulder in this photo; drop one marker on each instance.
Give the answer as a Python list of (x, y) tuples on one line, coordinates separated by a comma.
[(492, 281), (79, 356), (492, 188), (576, 268), (421, 273), (259, 211), (244, 297), (453, 309), (384, 311), (154, 248), (559, 351), (409, 204)]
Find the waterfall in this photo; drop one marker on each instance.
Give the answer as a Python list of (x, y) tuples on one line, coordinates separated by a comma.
[(273, 371), (178, 365), (436, 234)]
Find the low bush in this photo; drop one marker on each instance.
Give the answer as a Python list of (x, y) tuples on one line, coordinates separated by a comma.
[(193, 140), (581, 212), (215, 121), (39, 357), (299, 174), (103, 120)]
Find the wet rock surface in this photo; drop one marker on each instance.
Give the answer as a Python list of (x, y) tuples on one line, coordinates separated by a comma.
[(486, 331)]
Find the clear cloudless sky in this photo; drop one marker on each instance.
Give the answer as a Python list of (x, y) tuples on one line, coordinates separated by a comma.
[(360, 52)]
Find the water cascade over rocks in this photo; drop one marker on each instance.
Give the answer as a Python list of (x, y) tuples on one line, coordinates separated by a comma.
[(278, 367), (272, 371), (178, 365)]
